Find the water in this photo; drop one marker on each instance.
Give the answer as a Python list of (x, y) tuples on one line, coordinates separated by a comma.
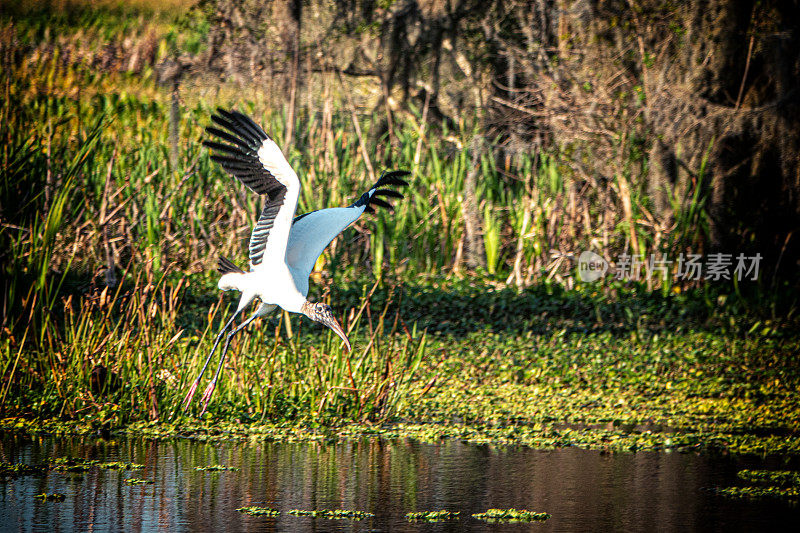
[(582, 490)]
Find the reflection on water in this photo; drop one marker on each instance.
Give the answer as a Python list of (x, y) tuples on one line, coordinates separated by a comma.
[(582, 490)]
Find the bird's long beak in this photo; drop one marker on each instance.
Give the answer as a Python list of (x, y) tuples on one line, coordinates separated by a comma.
[(334, 325)]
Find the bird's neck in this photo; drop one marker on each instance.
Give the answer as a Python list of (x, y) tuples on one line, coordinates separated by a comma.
[(306, 309), (295, 304)]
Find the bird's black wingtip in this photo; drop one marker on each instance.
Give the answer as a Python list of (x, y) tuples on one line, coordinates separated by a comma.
[(239, 124), (393, 177), (399, 172), (226, 113), (370, 199), (380, 203), (225, 266)]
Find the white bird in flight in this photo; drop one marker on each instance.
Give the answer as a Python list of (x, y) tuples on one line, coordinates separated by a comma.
[(283, 250)]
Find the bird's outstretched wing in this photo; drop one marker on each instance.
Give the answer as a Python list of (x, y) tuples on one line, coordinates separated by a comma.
[(313, 231), (255, 160)]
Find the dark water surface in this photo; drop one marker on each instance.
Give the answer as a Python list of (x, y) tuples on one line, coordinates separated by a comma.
[(582, 490)]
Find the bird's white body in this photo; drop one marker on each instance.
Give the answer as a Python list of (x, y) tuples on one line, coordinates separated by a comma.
[(273, 284), (284, 283), (283, 249)]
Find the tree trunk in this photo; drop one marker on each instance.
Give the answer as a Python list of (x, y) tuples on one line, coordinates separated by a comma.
[(294, 10), (475, 252)]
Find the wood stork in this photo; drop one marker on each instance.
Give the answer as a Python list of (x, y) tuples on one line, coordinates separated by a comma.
[(283, 250)]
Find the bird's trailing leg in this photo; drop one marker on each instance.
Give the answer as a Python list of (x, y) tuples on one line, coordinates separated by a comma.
[(213, 384), (194, 386)]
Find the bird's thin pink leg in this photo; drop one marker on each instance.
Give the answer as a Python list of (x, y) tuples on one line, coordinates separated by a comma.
[(207, 396), (213, 385), (193, 388), (188, 399)]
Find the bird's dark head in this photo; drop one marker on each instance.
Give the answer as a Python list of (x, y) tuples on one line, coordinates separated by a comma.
[(322, 313)]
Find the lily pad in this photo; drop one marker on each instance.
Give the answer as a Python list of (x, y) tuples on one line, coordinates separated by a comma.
[(53, 497), (73, 464), (138, 481), (216, 468), (333, 514), (14, 470), (783, 478), (758, 493), (259, 511), (511, 515), (119, 465), (432, 516)]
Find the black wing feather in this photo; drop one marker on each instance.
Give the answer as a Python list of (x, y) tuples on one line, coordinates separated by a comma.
[(388, 178), (258, 239), (240, 159), (244, 122), (389, 193), (224, 266), (381, 203), (222, 134), (235, 151)]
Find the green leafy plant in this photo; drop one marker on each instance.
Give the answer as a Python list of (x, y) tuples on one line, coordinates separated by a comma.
[(432, 516), (510, 515), (259, 511), (332, 514)]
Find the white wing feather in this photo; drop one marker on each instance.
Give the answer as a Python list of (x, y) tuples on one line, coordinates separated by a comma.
[(313, 232), (275, 163)]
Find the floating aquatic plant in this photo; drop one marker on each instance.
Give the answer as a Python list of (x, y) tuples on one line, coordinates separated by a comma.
[(511, 515), (73, 464), (259, 511), (119, 465), (53, 497), (216, 468), (782, 478), (334, 514), (757, 493), (15, 470), (138, 481), (432, 516)]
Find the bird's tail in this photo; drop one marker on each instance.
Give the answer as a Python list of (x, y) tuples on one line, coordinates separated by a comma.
[(224, 266), (230, 281), (231, 274)]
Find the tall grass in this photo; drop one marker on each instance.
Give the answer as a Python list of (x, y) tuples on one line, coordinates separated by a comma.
[(127, 354), (167, 214)]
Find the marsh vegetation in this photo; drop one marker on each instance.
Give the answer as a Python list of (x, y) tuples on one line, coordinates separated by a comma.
[(111, 230)]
